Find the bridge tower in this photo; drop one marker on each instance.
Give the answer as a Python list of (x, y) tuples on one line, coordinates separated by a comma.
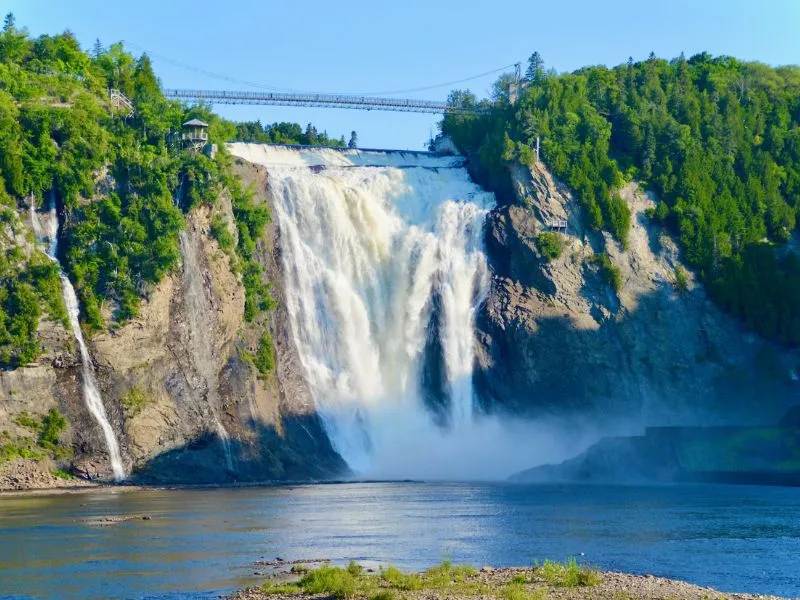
[(515, 87)]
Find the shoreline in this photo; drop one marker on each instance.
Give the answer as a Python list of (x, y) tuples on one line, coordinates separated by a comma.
[(560, 581)]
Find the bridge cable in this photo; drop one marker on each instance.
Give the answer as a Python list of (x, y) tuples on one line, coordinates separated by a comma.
[(213, 75)]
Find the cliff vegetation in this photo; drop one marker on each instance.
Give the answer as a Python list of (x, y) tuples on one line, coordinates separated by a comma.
[(717, 139), (121, 184)]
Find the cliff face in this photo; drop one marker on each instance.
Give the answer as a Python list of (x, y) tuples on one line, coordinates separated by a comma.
[(185, 403), (556, 339)]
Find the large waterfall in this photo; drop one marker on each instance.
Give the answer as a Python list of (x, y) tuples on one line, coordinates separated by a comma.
[(384, 270), (45, 229)]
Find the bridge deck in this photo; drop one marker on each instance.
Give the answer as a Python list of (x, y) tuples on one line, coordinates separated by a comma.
[(321, 100)]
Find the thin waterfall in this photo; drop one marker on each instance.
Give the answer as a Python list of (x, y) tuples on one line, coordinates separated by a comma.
[(47, 234), (384, 270)]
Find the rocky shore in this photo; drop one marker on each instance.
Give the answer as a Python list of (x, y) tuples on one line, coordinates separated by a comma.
[(29, 475), (563, 581)]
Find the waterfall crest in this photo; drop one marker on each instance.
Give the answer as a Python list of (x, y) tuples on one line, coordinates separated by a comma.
[(47, 234), (384, 269)]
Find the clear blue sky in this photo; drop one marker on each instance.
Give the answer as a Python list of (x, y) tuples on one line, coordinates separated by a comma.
[(374, 46)]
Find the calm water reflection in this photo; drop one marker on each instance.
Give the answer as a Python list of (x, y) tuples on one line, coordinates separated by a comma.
[(200, 543)]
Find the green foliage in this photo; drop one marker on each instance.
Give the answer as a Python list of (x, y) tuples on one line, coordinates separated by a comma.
[(221, 233), (251, 219), (121, 184), (62, 474), (567, 574), (283, 133), (401, 581), (618, 218), (28, 282), (134, 401), (518, 591), (264, 360), (19, 449), (53, 423), (550, 244), (352, 581), (354, 568), (681, 279), (299, 569), (339, 583), (717, 139), (610, 272), (47, 430)]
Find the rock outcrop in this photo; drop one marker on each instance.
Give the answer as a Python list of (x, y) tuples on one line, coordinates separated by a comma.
[(556, 339), (186, 403)]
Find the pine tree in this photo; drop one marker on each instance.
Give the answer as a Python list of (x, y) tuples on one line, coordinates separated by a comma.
[(353, 143), (311, 135), (97, 49), (535, 70), (9, 22)]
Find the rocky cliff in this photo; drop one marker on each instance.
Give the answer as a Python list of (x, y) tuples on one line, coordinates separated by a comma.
[(556, 338), (186, 403)]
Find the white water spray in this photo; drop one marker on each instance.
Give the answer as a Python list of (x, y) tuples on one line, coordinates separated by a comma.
[(383, 255), (47, 233)]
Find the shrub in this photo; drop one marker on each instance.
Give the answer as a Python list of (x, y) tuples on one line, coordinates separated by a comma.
[(299, 569), (61, 474), (354, 568), (618, 218), (681, 280), (134, 401), (402, 581), (567, 574), (550, 244), (337, 582), (609, 271), (53, 423), (264, 360), (221, 232)]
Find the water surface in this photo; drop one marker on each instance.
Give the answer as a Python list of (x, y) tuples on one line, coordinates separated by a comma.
[(203, 542)]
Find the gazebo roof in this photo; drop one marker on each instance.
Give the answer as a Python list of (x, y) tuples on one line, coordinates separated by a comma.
[(195, 123)]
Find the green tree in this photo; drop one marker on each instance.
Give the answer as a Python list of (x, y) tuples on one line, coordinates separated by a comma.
[(535, 71)]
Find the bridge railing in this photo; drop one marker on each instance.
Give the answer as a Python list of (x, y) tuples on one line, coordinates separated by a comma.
[(328, 100)]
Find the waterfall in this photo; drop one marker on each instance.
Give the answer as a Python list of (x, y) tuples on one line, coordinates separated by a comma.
[(47, 233), (384, 270)]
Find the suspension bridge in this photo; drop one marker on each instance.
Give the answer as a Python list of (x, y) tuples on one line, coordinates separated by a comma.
[(321, 100)]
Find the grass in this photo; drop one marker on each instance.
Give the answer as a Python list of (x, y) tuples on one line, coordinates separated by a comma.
[(567, 574), (390, 583), (352, 582), (518, 591), (339, 583)]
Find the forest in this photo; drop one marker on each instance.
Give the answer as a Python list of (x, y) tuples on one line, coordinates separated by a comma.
[(716, 139), (121, 182)]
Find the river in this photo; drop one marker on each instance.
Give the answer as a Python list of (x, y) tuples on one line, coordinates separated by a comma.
[(200, 543)]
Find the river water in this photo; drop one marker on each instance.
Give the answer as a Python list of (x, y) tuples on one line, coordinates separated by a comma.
[(203, 542)]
